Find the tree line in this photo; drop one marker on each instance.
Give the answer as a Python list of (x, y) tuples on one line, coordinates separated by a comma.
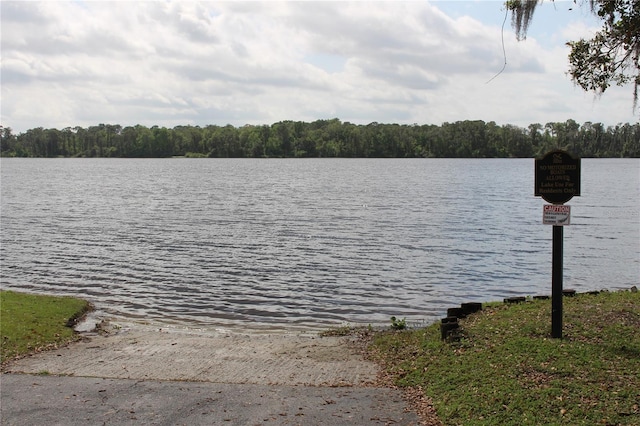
[(327, 138)]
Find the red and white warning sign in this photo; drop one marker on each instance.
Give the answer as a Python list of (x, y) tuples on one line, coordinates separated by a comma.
[(558, 215)]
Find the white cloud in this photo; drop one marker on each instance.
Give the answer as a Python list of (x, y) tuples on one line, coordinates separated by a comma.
[(179, 62)]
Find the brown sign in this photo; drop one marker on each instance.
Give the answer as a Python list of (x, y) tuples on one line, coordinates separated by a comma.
[(557, 177)]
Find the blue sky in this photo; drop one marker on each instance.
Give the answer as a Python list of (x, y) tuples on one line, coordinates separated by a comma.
[(167, 63)]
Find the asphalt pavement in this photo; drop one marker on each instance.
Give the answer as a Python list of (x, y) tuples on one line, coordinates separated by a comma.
[(62, 400)]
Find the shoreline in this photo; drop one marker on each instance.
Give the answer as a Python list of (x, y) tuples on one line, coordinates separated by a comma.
[(93, 320), (99, 321)]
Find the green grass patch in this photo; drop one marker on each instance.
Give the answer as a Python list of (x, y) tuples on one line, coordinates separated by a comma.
[(507, 370), (31, 323)]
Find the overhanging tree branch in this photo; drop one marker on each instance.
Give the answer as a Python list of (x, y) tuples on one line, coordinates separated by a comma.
[(611, 56)]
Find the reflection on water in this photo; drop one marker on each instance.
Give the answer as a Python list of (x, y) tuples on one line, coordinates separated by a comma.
[(305, 242)]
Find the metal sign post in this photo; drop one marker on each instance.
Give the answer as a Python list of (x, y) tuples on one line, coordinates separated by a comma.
[(557, 180), (556, 282)]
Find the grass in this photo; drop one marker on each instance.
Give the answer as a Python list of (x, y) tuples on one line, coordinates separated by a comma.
[(506, 369), (32, 323)]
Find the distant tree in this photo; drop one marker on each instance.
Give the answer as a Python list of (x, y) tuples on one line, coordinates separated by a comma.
[(611, 56), (161, 142), (7, 140)]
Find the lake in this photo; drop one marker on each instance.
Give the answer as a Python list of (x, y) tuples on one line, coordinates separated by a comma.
[(305, 243)]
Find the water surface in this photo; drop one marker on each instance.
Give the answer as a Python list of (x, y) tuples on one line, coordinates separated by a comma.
[(305, 242)]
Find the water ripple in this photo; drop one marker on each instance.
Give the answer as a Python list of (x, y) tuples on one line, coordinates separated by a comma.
[(304, 243)]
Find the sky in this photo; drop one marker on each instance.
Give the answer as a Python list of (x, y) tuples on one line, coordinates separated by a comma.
[(169, 63)]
